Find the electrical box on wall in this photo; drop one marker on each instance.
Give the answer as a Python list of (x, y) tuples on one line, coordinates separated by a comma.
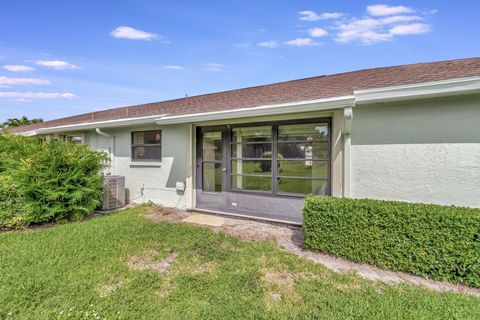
[(180, 186)]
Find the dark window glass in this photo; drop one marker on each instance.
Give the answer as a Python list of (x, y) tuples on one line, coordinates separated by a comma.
[(303, 132), (147, 137), (212, 177), (303, 150), (147, 153), (147, 145), (256, 183), (303, 168), (302, 186)]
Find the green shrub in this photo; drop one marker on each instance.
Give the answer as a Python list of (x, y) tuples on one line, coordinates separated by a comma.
[(46, 181), (439, 242)]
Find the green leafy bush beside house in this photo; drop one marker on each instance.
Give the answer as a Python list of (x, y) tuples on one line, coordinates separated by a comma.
[(46, 181), (438, 242)]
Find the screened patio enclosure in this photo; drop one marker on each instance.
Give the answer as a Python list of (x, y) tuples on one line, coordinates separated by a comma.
[(263, 169)]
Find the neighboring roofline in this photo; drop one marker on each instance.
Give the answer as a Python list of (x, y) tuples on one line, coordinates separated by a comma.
[(424, 90)]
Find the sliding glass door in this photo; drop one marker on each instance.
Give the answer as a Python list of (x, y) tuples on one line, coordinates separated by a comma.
[(290, 158), (212, 160)]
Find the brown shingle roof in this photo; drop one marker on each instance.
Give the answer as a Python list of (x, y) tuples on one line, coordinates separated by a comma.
[(341, 84)]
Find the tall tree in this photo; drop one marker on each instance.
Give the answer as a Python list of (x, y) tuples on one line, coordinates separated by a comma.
[(18, 122)]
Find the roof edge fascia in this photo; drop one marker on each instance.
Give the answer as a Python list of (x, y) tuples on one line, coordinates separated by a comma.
[(98, 124), (424, 90)]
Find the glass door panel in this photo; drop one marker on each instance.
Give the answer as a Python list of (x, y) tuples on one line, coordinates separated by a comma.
[(212, 161)]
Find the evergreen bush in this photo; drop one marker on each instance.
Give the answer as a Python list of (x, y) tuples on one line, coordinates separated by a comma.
[(47, 181)]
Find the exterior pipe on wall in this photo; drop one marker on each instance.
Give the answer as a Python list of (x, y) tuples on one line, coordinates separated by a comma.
[(347, 131), (112, 155)]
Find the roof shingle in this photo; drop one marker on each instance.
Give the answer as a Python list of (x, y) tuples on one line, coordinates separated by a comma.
[(341, 84)]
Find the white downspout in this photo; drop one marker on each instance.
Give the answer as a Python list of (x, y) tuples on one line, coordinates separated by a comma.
[(100, 132), (347, 141), (190, 177)]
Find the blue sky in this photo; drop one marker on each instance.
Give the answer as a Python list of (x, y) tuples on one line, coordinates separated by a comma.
[(60, 58)]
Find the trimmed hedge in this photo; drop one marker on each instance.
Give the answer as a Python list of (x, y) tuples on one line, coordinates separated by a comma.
[(433, 241), (47, 181)]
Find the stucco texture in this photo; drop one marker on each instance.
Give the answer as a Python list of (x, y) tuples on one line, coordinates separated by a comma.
[(426, 151), (156, 182)]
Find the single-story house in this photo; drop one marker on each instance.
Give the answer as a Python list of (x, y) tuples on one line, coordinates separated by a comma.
[(409, 133)]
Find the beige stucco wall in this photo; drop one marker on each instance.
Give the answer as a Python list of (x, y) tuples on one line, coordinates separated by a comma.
[(418, 151)]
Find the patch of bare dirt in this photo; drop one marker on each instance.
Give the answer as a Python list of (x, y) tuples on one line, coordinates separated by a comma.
[(106, 290), (165, 214), (203, 268), (279, 285), (281, 279), (166, 289), (147, 261), (249, 230)]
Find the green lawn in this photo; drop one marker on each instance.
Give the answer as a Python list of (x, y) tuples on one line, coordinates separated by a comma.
[(78, 271)]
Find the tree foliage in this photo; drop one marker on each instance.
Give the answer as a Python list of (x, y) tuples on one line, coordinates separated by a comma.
[(18, 122)]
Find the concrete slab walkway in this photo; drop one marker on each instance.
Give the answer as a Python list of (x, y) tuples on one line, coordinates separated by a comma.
[(205, 219)]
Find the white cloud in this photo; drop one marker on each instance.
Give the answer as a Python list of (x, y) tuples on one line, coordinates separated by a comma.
[(318, 32), (413, 28), (36, 95), (18, 68), (301, 42), (56, 64), (174, 67), (268, 44), (216, 67), (396, 19), (125, 32), (331, 15), (382, 23), (20, 100), (386, 10), (6, 82), (365, 30), (309, 15), (369, 30)]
